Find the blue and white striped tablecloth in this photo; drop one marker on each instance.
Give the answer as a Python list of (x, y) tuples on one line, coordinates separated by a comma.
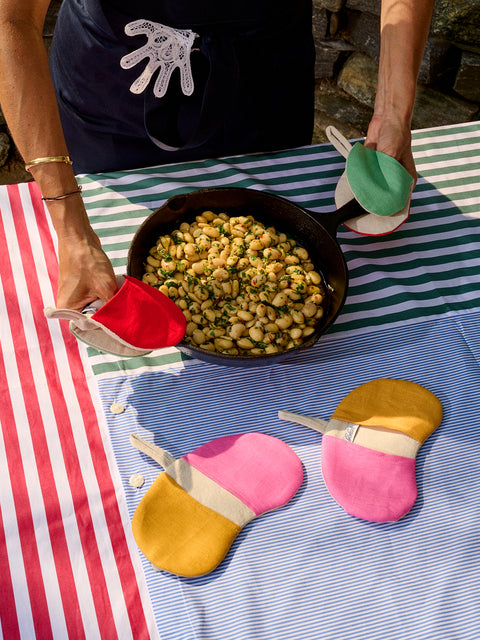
[(308, 571)]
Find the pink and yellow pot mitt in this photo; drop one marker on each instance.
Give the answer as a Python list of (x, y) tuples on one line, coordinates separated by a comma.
[(369, 446), (190, 516), (138, 319)]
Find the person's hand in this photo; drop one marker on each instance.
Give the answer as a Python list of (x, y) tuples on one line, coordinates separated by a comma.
[(392, 137), (85, 272)]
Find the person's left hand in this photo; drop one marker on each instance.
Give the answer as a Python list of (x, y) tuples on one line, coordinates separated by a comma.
[(85, 272)]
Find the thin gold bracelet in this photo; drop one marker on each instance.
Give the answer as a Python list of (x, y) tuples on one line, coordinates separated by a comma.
[(64, 195), (47, 159)]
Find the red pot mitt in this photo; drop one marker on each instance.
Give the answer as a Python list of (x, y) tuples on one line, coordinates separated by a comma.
[(370, 444), (138, 319), (189, 517), (381, 185)]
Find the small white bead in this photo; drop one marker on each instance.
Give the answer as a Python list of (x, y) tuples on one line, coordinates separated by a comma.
[(117, 407), (137, 480)]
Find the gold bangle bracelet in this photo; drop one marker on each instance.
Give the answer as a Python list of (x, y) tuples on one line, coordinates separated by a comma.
[(47, 159)]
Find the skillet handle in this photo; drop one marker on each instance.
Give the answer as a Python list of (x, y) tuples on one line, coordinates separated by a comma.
[(332, 220)]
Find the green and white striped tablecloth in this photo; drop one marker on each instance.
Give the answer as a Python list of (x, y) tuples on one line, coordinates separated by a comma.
[(428, 268), (309, 571)]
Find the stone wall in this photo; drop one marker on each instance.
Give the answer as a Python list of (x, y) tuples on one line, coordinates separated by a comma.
[(347, 41)]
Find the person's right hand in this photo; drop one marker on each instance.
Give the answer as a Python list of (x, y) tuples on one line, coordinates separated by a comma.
[(85, 272), (393, 137)]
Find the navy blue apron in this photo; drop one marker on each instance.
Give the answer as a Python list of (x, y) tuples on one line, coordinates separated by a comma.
[(252, 65)]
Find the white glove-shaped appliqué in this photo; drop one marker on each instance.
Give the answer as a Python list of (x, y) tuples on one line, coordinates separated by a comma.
[(166, 49)]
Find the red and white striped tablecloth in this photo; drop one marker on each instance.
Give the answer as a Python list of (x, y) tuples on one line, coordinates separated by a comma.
[(67, 568)]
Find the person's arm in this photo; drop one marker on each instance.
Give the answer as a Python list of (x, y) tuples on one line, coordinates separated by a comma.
[(30, 108), (404, 30)]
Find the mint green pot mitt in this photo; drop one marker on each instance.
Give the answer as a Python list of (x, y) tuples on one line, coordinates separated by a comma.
[(380, 184)]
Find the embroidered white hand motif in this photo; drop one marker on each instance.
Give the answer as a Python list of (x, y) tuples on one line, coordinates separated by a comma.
[(166, 49)]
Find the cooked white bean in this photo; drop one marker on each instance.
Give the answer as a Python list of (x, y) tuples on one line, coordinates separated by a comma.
[(153, 261), (216, 262), (199, 337), (208, 346), (316, 298), (150, 278), (298, 317), (261, 310), (312, 289), (296, 333), (309, 310), (213, 333), (280, 299), (245, 343), (244, 315), (284, 322), (314, 277), (191, 327), (272, 327), (221, 274), (221, 344), (271, 253), (271, 314), (257, 245), (211, 232), (301, 253), (271, 348), (258, 279), (210, 315), (256, 333), (201, 292), (237, 330)]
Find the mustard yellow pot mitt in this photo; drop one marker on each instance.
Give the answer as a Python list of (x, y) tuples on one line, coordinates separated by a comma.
[(380, 184), (194, 510), (369, 446)]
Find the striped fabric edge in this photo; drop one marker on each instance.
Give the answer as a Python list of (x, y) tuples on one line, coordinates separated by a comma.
[(69, 569), (396, 270)]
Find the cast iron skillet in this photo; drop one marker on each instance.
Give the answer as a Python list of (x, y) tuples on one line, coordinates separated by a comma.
[(316, 232)]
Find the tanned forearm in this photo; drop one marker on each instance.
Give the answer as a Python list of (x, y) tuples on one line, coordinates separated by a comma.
[(27, 96), (26, 90), (30, 108), (404, 29)]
